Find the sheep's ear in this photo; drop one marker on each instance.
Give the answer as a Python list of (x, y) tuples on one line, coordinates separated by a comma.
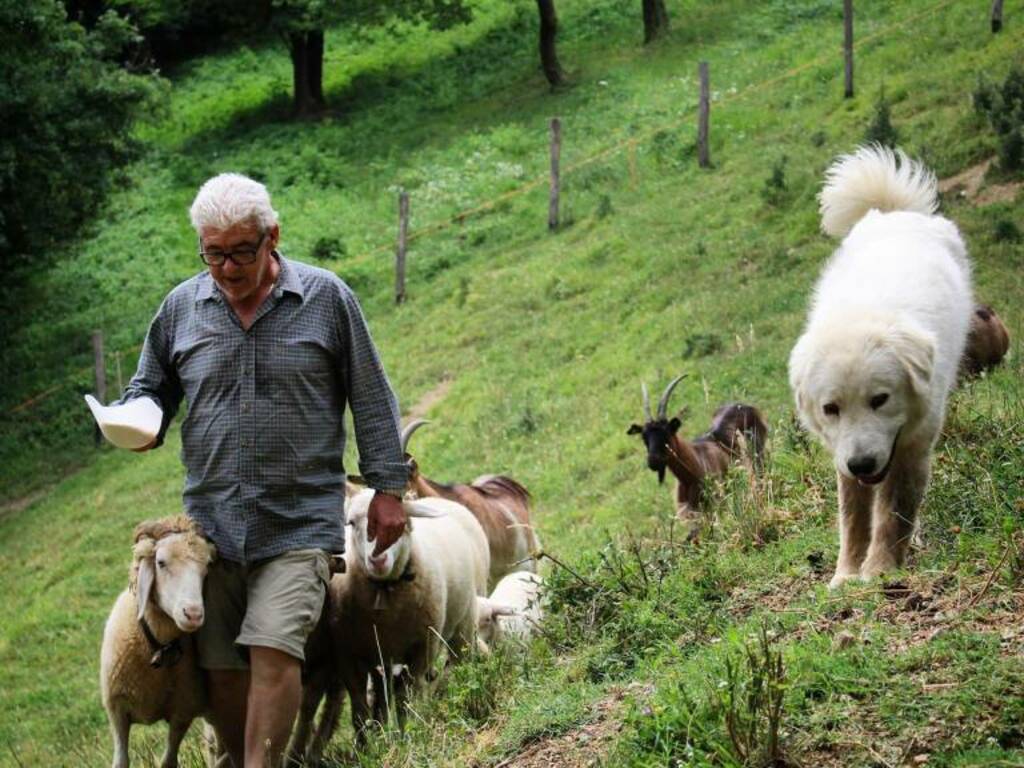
[(484, 610), (503, 610), (417, 509), (634, 429), (145, 583)]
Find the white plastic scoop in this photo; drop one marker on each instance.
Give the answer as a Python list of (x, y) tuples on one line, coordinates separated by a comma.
[(132, 425)]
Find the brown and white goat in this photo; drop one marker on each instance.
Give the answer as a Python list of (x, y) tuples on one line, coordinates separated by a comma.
[(709, 454), (500, 504)]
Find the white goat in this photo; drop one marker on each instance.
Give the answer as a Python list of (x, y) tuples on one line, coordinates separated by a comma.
[(399, 608), (148, 668), (512, 610)]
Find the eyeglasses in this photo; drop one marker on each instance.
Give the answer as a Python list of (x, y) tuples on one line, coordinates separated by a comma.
[(241, 256)]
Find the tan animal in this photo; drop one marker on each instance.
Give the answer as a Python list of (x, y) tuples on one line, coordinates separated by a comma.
[(987, 341), (500, 504), (148, 668), (691, 461)]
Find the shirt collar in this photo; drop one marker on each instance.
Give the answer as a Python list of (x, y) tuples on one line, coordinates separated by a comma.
[(287, 280)]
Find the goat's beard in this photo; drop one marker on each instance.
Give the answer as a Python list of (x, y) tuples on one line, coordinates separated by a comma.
[(661, 475)]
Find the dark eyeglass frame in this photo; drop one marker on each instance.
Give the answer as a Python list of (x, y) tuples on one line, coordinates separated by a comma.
[(243, 257)]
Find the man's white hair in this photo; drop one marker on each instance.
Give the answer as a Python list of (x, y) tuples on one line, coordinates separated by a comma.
[(229, 199)]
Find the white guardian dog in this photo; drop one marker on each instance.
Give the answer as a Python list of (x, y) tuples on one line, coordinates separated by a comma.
[(879, 355)]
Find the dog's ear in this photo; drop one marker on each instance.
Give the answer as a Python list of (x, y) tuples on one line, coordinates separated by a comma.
[(798, 367), (915, 350)]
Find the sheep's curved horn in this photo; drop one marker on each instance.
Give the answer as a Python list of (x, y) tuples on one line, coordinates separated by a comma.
[(647, 402), (411, 427), (663, 403)]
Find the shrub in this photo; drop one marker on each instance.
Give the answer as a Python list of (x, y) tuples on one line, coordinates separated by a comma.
[(881, 131), (1003, 107), (774, 190), (72, 131)]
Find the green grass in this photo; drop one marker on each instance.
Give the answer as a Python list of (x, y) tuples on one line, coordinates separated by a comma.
[(661, 268)]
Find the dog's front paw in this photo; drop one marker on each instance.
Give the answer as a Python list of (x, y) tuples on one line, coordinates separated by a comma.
[(841, 578)]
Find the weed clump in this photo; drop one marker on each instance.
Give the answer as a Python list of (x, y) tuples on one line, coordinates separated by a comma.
[(1005, 231), (1003, 107), (327, 248), (774, 190), (881, 130)]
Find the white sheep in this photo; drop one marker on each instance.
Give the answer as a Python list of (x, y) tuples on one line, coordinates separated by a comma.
[(401, 607), (148, 666), (512, 610)]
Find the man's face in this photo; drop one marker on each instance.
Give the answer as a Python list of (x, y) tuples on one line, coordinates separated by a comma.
[(240, 282)]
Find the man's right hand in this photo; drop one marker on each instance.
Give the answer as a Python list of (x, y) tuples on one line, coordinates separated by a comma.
[(385, 521)]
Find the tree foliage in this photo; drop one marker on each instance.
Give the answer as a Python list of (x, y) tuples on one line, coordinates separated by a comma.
[(66, 104)]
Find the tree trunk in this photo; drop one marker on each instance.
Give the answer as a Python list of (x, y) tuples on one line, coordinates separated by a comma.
[(655, 19), (307, 53), (548, 31), (316, 68)]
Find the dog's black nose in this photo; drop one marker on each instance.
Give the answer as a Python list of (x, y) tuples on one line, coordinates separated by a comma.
[(860, 466)]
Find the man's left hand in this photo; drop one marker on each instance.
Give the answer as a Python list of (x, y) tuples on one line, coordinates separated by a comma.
[(385, 521)]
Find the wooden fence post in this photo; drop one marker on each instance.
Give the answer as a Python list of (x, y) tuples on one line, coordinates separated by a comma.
[(403, 229), (101, 378), (848, 46), (703, 118), (556, 151), (997, 15)]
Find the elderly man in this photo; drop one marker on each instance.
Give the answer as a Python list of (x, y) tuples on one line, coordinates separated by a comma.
[(267, 352)]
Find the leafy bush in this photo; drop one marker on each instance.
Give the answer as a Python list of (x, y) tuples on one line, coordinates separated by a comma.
[(73, 130), (1003, 107)]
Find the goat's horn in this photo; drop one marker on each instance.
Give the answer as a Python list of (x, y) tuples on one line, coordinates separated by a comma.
[(663, 403), (647, 402), (411, 427)]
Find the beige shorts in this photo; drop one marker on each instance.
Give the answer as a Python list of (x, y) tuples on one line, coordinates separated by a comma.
[(274, 603)]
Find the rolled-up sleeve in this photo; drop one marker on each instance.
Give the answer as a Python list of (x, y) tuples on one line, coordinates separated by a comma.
[(155, 376), (374, 406)]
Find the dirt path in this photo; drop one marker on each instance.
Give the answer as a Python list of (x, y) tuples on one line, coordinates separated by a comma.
[(430, 399), (587, 745)]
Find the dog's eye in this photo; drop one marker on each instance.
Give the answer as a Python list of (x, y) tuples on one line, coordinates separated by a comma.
[(878, 401), (831, 409)]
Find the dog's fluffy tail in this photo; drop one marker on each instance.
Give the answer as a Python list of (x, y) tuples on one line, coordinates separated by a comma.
[(874, 178)]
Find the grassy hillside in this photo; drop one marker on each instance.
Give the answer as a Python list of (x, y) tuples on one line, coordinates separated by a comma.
[(538, 343)]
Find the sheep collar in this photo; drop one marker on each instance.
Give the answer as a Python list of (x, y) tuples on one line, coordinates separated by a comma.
[(164, 654), (384, 587)]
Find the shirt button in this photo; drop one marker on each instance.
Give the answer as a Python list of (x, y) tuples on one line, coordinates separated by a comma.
[(245, 407), (245, 442)]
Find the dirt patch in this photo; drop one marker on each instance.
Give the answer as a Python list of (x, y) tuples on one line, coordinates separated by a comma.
[(969, 185), (967, 182), (587, 745), (998, 193), (430, 399)]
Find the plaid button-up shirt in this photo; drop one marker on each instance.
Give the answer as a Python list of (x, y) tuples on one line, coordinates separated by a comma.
[(263, 440)]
